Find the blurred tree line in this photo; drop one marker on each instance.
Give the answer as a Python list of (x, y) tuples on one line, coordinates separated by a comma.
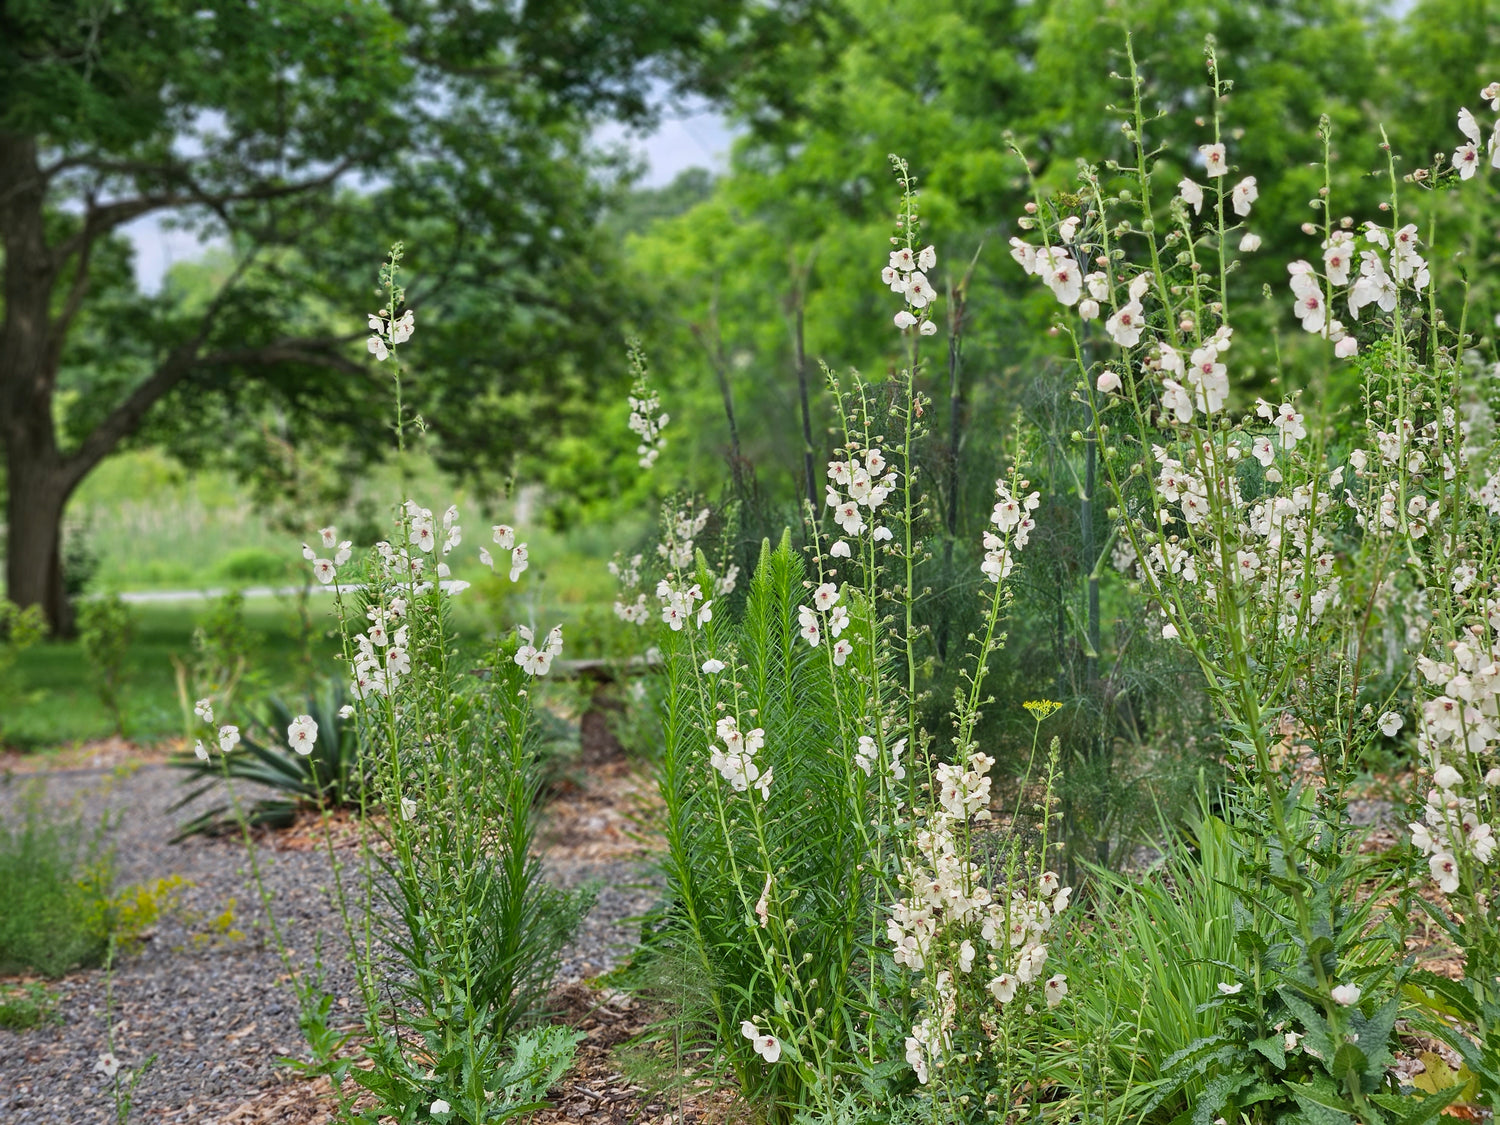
[(308, 136)]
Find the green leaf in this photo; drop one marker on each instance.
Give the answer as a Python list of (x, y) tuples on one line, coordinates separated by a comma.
[(1320, 1103), (1272, 1047)]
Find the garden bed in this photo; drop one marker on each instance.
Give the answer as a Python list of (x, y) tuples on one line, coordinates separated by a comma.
[(206, 993)]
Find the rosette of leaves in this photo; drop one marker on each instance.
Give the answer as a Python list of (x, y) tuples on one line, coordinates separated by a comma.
[(332, 776)]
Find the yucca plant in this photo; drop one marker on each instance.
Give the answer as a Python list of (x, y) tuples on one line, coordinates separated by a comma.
[(330, 775)]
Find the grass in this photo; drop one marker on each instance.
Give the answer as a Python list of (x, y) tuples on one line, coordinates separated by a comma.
[(26, 1005), (59, 705), (150, 527), (56, 879)]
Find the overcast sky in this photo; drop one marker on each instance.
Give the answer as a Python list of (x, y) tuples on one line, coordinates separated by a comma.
[(689, 138)]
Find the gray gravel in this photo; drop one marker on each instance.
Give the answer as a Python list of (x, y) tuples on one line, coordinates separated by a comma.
[(213, 1010)]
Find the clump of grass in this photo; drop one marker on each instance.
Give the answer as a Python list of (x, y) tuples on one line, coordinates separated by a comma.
[(26, 1005), (56, 875)]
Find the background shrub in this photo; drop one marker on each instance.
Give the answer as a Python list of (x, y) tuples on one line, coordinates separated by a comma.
[(56, 874)]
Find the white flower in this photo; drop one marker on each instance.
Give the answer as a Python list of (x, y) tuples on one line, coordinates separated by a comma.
[(892, 278), (329, 536), (302, 734), (346, 711), (839, 550), (904, 319), (767, 1047), (1229, 989), (324, 571), (229, 737), (847, 515), (1466, 160), (713, 667), (1468, 126), (1346, 994), (1192, 194), (825, 596), (1068, 228), (1250, 243), (808, 625), (1444, 869), (1215, 163), (1491, 94), (1062, 275), (927, 259), (841, 651), (1055, 989), (204, 709), (1003, 988), (919, 291), (1346, 347), (1024, 253), (705, 613), (1289, 426), (505, 537), (1108, 383), (439, 1106), (1176, 400), (903, 259), (1088, 309), (928, 328), (519, 561), (421, 534), (107, 1065), (881, 534), (1126, 324), (1446, 777), (1245, 193), (1390, 723), (198, 750), (376, 347), (408, 809)]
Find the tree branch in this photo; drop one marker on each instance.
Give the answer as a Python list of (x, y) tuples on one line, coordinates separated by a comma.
[(100, 220)]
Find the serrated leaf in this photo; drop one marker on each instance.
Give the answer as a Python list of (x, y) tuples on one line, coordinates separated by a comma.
[(1430, 1107), (1320, 1104), (1314, 1025), (1216, 1093), (1272, 1047)]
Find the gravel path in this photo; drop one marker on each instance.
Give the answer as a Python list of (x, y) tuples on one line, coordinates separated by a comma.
[(213, 1008)]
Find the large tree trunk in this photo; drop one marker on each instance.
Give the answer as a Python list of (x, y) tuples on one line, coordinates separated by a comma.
[(37, 493), (38, 480)]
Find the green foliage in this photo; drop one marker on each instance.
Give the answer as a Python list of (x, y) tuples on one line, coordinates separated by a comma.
[(484, 1081), (333, 775), (55, 879), (220, 661), (471, 914), (61, 708), (27, 1005), (1153, 972), (105, 632), (717, 843), (253, 564), (19, 630)]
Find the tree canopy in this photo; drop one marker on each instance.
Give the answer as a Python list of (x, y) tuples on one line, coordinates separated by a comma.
[(305, 136)]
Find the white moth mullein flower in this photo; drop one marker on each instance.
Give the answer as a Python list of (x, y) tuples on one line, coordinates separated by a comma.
[(302, 735)]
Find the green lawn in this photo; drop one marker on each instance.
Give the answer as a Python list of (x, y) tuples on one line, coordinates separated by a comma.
[(148, 525), (59, 707)]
